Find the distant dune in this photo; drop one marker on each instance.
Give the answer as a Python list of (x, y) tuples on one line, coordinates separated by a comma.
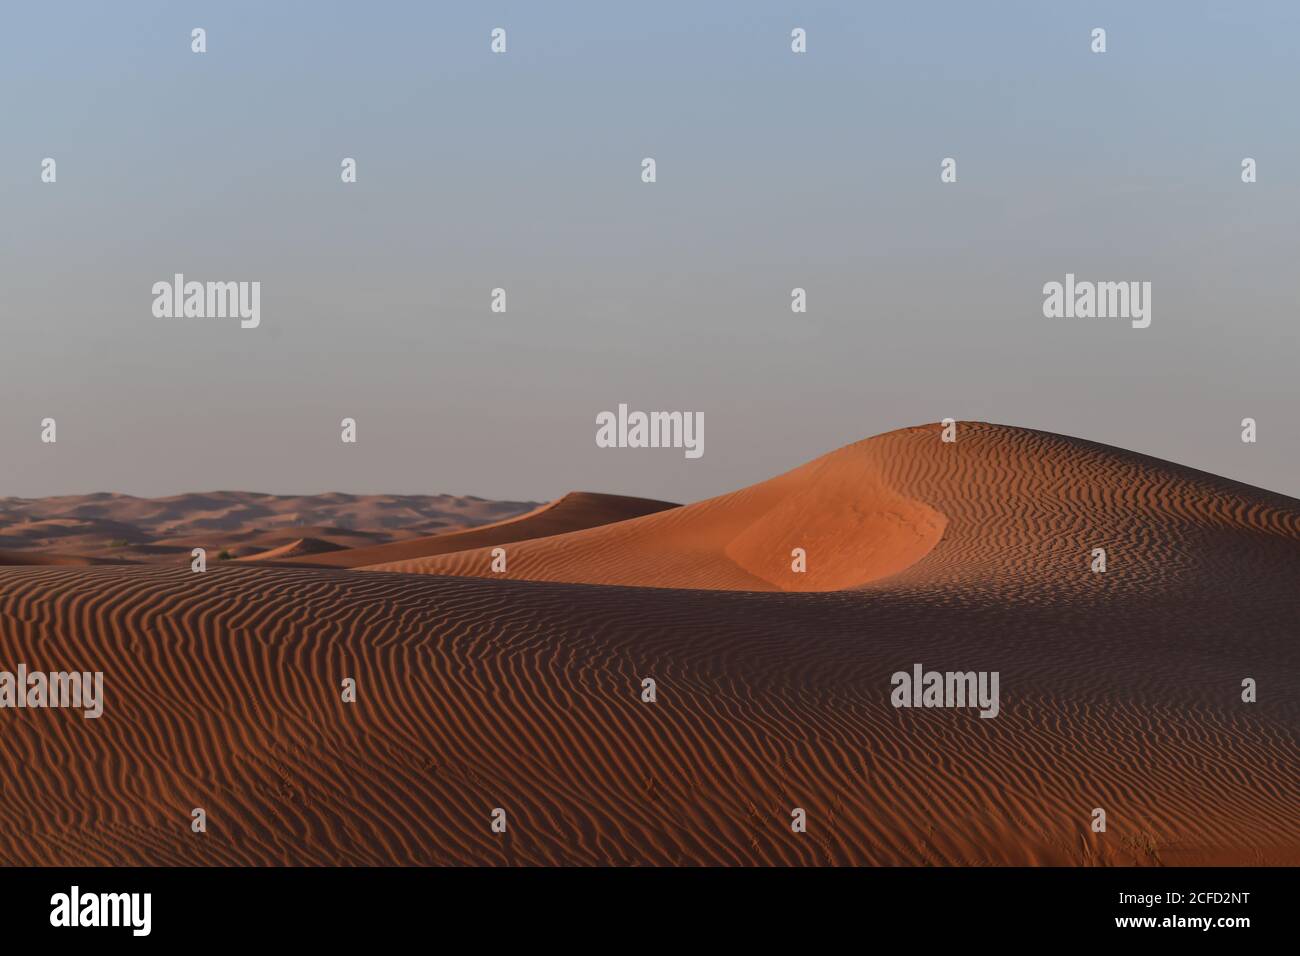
[(165, 530), (45, 558), (574, 511), (1119, 690), (295, 549)]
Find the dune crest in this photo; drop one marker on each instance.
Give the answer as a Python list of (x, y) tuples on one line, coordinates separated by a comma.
[(294, 549)]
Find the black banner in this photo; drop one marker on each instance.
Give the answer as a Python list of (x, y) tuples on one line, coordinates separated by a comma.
[(336, 906)]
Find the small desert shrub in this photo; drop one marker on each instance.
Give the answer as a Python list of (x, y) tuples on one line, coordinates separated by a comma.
[(224, 555), (119, 543)]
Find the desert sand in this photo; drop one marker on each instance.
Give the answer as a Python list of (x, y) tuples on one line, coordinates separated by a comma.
[(522, 690)]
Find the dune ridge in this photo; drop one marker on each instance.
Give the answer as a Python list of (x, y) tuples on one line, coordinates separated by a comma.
[(297, 548)]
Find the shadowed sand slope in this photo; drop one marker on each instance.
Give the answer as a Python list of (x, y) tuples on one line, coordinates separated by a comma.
[(576, 510), (222, 691), (1011, 509), (1119, 690)]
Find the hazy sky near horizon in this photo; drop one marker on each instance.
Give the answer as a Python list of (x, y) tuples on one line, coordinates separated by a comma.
[(523, 171)]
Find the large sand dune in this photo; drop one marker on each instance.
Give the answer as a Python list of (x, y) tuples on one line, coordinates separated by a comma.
[(1009, 509), (1119, 690)]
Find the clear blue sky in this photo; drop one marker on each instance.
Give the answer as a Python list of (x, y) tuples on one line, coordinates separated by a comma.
[(523, 171)]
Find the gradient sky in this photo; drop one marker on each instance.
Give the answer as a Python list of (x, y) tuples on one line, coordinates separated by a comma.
[(523, 171)]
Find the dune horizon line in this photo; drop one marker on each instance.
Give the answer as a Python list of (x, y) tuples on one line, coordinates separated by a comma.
[(535, 502)]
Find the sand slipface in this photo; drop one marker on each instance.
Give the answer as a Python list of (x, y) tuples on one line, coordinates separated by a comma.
[(1118, 690)]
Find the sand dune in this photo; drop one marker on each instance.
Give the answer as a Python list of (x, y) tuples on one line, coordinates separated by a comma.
[(576, 510), (297, 548), (1005, 508), (1119, 690)]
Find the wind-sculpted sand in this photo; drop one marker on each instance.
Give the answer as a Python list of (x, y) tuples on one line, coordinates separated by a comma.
[(1119, 690)]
